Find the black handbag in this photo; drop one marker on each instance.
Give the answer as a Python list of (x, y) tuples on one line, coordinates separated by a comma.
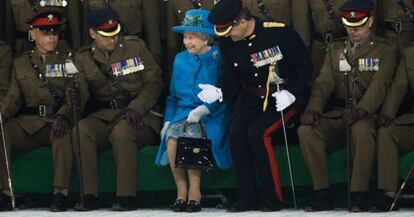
[(194, 153)]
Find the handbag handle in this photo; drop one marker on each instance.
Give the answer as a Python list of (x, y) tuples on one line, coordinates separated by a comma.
[(201, 128)]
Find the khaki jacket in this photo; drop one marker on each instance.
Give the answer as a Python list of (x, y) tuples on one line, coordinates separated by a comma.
[(144, 84), (5, 68), (376, 60)]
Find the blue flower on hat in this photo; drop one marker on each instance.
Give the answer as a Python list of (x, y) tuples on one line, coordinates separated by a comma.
[(195, 20)]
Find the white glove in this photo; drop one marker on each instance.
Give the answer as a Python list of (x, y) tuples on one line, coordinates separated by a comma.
[(164, 129), (195, 115), (210, 93), (283, 99)]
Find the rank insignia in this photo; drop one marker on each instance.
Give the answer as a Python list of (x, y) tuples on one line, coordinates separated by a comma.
[(125, 67), (265, 57), (368, 64)]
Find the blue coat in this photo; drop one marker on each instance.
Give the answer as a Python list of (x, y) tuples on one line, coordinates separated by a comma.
[(188, 71)]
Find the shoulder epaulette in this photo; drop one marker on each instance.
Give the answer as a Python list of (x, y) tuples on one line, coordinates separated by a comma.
[(131, 37), (83, 49), (28, 52), (273, 25)]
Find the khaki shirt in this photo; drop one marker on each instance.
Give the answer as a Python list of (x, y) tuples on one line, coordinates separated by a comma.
[(403, 84), (143, 82), (5, 68), (26, 89), (291, 12), (376, 60), (140, 17)]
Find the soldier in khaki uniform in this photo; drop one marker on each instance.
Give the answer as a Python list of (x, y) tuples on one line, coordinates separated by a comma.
[(373, 63), (394, 23), (37, 91), (22, 10), (291, 12), (138, 17), (395, 132), (5, 68), (125, 83)]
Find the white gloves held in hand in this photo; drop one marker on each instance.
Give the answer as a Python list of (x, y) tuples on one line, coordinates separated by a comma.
[(209, 93), (164, 129), (283, 99), (195, 115)]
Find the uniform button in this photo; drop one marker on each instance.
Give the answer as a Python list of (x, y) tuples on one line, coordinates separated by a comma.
[(250, 44), (260, 86), (262, 97), (255, 74), (120, 45), (179, 11), (235, 64), (197, 58)]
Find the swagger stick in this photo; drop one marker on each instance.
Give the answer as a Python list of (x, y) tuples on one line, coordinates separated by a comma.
[(348, 105), (277, 80), (71, 72), (9, 179), (397, 196)]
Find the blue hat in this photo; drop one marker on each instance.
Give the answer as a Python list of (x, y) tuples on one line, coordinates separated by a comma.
[(105, 21), (195, 20)]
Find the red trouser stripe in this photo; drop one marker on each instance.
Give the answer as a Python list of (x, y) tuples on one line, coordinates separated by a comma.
[(270, 153)]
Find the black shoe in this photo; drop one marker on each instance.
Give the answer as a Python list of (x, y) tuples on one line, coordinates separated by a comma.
[(5, 202), (270, 206), (383, 204), (193, 206), (128, 203), (90, 202), (59, 203), (179, 205), (360, 202), (242, 206), (321, 202)]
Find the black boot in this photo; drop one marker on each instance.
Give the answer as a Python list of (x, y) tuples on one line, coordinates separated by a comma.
[(5, 202), (90, 202), (383, 203), (321, 202), (127, 203), (59, 203), (179, 205), (242, 206), (360, 202)]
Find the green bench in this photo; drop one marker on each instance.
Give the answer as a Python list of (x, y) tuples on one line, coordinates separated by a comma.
[(32, 171)]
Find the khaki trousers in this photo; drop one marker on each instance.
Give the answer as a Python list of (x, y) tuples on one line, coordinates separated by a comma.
[(330, 134)]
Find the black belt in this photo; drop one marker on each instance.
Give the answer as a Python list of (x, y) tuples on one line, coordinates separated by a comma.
[(113, 104), (325, 38), (397, 26), (40, 110)]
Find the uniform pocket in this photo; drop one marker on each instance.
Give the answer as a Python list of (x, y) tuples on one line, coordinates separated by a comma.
[(17, 3)]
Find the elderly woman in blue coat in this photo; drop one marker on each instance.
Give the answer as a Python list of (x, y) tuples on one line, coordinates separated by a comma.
[(198, 64)]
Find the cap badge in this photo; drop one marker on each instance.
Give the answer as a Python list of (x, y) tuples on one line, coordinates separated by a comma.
[(353, 14), (50, 17), (110, 22)]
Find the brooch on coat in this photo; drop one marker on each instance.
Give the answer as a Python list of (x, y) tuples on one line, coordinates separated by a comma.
[(128, 66), (265, 57)]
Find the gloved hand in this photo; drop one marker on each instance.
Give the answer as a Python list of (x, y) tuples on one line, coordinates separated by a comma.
[(73, 97), (133, 119), (164, 129), (384, 120), (283, 99), (210, 93), (195, 115), (310, 117), (60, 126), (350, 116)]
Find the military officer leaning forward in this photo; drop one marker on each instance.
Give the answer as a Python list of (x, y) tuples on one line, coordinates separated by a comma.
[(291, 12), (327, 26), (396, 21), (5, 68), (70, 35), (138, 17), (257, 57), (124, 83), (396, 131), (37, 92), (371, 62)]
